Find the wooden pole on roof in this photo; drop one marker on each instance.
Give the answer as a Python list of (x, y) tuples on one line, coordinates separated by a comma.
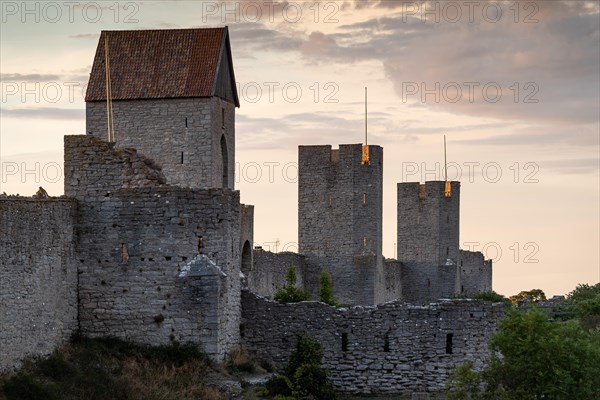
[(448, 186), (109, 110), (366, 138), (365, 147)]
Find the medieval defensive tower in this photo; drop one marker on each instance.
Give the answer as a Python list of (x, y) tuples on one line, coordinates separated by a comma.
[(428, 223), (340, 216), (173, 98)]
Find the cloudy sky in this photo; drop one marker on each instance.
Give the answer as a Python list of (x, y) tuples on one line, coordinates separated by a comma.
[(514, 86)]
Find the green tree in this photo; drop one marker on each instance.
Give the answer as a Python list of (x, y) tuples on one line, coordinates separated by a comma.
[(304, 374), (533, 295), (583, 292), (533, 358), (290, 293), (492, 296), (585, 299), (464, 383), (326, 288)]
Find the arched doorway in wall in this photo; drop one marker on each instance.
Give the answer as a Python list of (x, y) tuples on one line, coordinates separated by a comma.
[(225, 159), (246, 258)]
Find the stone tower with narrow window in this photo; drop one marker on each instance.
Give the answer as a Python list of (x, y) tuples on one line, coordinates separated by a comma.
[(428, 240), (428, 222), (173, 98), (340, 217)]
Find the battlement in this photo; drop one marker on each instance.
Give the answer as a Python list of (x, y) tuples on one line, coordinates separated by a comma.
[(429, 189), (346, 154)]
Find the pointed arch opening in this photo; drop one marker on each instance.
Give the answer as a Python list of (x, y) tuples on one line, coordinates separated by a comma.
[(246, 258)]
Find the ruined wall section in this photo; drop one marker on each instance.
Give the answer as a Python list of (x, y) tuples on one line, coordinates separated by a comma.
[(95, 168), (38, 277), (340, 216), (183, 136), (475, 272), (390, 348), (390, 282), (132, 244), (269, 271)]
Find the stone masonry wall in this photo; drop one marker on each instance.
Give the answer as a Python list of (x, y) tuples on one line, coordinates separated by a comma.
[(269, 269), (181, 135), (390, 348), (38, 277), (475, 272), (246, 236), (340, 216), (132, 244), (428, 223), (390, 282), (423, 283)]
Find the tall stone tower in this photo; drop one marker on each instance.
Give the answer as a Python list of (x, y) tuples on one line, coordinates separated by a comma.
[(340, 216), (173, 98), (428, 222), (428, 239)]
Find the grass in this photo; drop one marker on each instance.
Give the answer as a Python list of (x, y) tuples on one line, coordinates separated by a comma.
[(111, 369)]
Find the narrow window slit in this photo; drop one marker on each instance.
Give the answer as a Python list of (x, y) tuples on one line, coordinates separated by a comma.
[(449, 343)]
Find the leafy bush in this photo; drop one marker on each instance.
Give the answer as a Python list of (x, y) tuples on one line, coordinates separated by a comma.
[(326, 288), (464, 383), (290, 293), (26, 387), (492, 296), (279, 385), (308, 351), (312, 380), (533, 296), (586, 301), (583, 292), (533, 357), (304, 377)]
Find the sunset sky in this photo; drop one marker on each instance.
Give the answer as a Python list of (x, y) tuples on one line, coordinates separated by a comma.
[(514, 86)]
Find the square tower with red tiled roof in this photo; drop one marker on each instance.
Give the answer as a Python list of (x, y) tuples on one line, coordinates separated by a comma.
[(173, 96)]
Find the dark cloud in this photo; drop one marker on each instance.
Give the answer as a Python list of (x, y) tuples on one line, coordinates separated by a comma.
[(554, 61), (44, 113), (248, 37)]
